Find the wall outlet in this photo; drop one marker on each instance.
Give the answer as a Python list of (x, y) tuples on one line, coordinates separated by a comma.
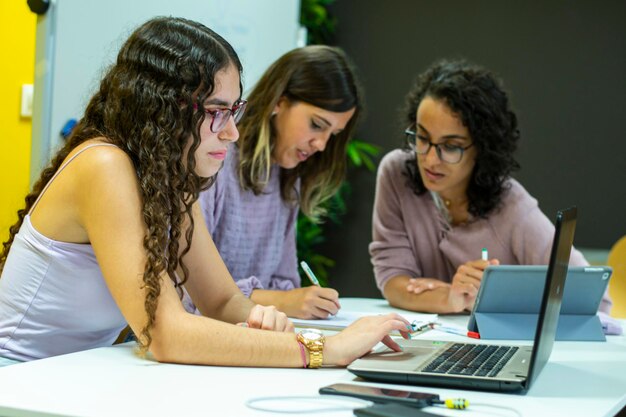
[(26, 108)]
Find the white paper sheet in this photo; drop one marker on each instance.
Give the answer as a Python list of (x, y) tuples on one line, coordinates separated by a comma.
[(344, 318)]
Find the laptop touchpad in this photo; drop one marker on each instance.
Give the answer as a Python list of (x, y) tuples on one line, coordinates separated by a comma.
[(415, 352)]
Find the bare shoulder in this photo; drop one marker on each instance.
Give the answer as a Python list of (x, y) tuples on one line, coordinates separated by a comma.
[(101, 163), (97, 154), (104, 175)]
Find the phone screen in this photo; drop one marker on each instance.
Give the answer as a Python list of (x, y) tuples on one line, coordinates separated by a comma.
[(381, 394)]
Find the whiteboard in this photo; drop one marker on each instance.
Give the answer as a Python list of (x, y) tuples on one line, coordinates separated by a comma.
[(78, 39)]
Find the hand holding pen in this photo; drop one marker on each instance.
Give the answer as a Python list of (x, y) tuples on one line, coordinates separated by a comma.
[(313, 302), (466, 282), (472, 270)]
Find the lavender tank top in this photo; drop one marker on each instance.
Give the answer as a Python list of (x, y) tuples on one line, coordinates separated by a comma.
[(53, 297)]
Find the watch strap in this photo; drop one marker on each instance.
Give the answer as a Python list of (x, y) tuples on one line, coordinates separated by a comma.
[(315, 358)]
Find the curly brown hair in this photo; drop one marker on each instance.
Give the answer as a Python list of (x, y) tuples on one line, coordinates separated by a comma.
[(477, 96), (145, 106), (318, 75)]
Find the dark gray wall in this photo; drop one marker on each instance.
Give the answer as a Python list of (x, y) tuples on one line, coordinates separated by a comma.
[(564, 64)]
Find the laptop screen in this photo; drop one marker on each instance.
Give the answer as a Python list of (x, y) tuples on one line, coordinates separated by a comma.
[(553, 295)]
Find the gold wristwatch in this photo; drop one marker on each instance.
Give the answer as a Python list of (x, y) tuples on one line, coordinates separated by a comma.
[(313, 340)]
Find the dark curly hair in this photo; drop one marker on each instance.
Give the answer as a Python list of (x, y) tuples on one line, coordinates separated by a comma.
[(477, 97), (319, 75), (144, 105)]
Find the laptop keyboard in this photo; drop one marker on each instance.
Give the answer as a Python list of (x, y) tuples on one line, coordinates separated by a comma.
[(468, 359)]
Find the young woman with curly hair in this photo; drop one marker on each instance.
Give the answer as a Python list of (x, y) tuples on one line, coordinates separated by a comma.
[(451, 193), (112, 230), (291, 156)]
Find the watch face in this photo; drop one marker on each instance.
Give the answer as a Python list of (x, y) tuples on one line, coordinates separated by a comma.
[(312, 334)]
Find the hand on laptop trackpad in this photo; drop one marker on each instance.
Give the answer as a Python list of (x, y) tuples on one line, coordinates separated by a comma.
[(414, 351)]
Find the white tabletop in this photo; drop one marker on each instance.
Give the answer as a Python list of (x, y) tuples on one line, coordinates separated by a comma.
[(581, 379)]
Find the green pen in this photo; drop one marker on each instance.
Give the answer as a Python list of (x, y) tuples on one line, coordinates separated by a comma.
[(309, 273), (314, 279)]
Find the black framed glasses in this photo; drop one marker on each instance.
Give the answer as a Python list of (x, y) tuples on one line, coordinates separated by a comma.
[(219, 117), (448, 153)]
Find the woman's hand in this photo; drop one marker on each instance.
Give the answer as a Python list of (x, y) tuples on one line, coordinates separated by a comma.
[(311, 302), (303, 303), (268, 318), (420, 285), (466, 282), (361, 336)]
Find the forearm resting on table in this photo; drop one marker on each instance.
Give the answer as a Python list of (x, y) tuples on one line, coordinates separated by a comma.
[(235, 310), (192, 339), (430, 301), (278, 299)]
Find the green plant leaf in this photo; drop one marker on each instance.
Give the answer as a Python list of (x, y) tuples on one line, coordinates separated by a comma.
[(321, 26), (355, 156)]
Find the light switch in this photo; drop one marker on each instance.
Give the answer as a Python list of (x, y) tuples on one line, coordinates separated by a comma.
[(26, 108)]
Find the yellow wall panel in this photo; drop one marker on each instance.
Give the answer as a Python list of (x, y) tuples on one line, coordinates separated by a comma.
[(17, 32)]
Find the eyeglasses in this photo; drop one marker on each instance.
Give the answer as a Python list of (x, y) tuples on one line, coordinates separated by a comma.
[(451, 154), (219, 117)]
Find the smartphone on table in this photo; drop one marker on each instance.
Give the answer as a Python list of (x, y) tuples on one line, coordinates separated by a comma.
[(381, 395)]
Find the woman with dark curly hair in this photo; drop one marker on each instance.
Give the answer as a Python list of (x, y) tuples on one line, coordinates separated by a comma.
[(112, 230), (291, 156), (450, 194)]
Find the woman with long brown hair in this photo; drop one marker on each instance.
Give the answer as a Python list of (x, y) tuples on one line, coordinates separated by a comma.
[(112, 231), (291, 156)]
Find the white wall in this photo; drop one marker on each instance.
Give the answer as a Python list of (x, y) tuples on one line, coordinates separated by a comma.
[(78, 39)]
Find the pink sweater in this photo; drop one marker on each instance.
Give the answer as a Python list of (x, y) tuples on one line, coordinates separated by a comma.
[(412, 237)]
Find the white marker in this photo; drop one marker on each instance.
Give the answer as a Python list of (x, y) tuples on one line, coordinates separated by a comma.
[(309, 273)]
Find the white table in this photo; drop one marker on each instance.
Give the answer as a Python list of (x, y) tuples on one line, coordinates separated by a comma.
[(583, 379)]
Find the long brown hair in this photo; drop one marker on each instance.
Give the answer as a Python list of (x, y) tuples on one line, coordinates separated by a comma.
[(144, 105), (318, 75)]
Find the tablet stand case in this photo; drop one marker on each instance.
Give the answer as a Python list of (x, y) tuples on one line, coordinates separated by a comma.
[(510, 297)]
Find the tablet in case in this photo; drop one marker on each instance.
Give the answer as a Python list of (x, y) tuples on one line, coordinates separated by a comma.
[(509, 298)]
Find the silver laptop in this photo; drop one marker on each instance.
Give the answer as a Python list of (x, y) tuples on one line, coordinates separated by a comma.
[(482, 366)]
